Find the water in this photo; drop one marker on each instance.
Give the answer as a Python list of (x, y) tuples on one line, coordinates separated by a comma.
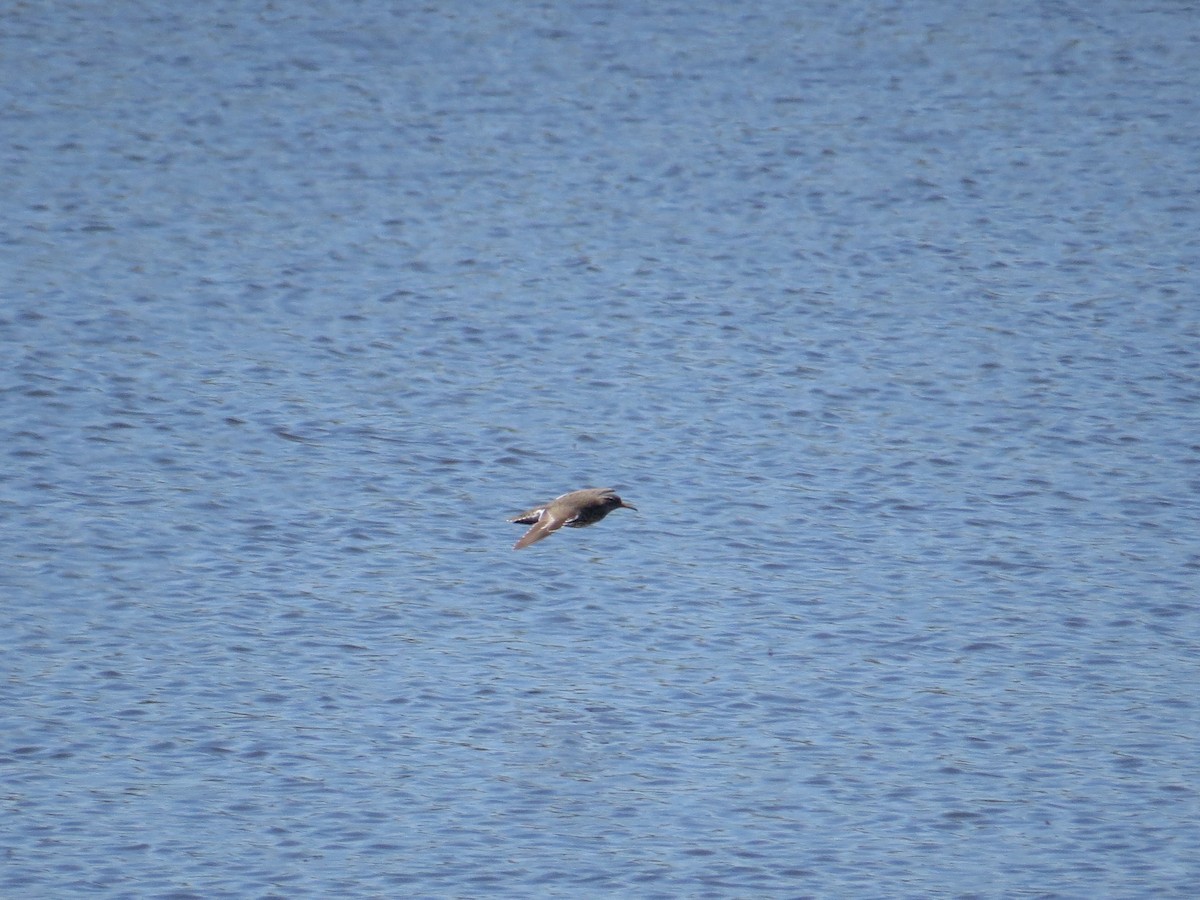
[(884, 317)]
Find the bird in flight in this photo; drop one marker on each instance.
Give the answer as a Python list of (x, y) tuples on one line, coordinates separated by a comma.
[(575, 510)]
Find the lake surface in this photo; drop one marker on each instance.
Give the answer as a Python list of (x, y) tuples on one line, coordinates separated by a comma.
[(886, 318)]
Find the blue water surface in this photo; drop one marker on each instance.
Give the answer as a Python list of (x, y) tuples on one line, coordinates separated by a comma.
[(886, 318)]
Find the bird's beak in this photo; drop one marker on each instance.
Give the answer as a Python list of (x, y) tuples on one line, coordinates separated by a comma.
[(628, 506)]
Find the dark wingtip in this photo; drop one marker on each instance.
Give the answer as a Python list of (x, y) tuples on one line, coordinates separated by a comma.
[(532, 536)]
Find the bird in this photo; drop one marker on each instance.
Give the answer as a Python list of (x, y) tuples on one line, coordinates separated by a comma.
[(575, 510)]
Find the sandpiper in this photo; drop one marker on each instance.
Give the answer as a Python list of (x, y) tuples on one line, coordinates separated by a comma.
[(575, 510)]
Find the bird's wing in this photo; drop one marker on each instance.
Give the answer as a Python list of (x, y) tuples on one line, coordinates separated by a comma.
[(546, 524), (529, 518)]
